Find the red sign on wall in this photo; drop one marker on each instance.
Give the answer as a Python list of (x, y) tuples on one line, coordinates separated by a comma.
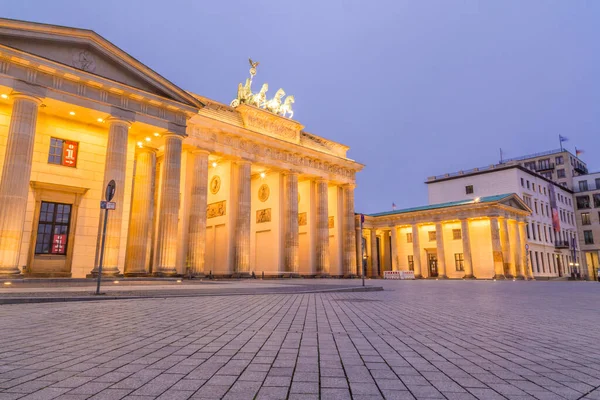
[(69, 158), (59, 244)]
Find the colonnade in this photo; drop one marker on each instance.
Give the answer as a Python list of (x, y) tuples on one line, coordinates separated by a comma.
[(508, 261), (143, 241)]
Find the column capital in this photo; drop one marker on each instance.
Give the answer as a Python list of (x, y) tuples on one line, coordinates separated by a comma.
[(172, 135), (118, 120), (200, 151), (321, 180), (350, 186), (26, 96), (243, 161), (145, 149), (291, 172)]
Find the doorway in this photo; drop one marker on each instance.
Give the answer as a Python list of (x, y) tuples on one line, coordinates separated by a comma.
[(433, 266)]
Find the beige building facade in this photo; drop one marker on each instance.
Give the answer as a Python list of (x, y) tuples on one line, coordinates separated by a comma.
[(483, 238), (202, 187)]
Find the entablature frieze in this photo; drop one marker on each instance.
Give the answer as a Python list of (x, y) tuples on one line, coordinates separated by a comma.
[(71, 85)]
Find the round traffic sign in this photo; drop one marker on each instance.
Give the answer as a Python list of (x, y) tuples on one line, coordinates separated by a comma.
[(110, 190)]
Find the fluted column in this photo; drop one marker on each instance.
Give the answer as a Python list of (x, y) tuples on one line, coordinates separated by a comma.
[(14, 184), (521, 253), (349, 232), (497, 249), (416, 251), (197, 222), (322, 253), (441, 254), (394, 233), (242, 226), (374, 254), (168, 217), (115, 167), (506, 251), (139, 234), (292, 240), (466, 242)]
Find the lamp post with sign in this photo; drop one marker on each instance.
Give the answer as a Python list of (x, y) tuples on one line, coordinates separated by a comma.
[(105, 205)]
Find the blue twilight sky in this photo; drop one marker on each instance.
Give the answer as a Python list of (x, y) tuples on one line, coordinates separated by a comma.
[(415, 88)]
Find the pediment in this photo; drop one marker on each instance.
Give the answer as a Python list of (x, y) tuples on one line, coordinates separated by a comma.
[(514, 201), (87, 51)]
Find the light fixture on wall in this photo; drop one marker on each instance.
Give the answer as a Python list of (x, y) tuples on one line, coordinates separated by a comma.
[(214, 164), (140, 144), (262, 175), (71, 112), (156, 134), (148, 139), (100, 120), (4, 96)]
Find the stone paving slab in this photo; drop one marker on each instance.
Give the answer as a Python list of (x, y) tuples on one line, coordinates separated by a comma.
[(414, 340)]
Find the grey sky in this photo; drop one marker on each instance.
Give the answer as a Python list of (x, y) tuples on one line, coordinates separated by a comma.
[(415, 88)]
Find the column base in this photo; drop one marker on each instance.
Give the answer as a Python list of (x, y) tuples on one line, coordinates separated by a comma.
[(509, 276), (242, 275), (520, 278), (351, 276), (136, 274), (441, 277), (291, 275), (322, 275), (470, 277), (165, 274), (418, 276), (198, 275), (499, 277), (112, 274)]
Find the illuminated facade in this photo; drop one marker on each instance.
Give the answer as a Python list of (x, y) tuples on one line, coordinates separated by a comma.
[(483, 238), (202, 187)]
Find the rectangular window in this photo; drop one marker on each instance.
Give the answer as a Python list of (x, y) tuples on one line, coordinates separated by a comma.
[(560, 173), (456, 234), (588, 237), (432, 236), (53, 228), (537, 261), (469, 189), (585, 218), (411, 263), (530, 165), (547, 210), (559, 160), (409, 238), (536, 207), (459, 261), (533, 231), (583, 186), (533, 186), (544, 164), (522, 182), (597, 183), (583, 202), (63, 152), (539, 233), (528, 236), (596, 197), (527, 184)]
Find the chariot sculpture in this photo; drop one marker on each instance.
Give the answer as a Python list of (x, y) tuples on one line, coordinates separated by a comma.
[(276, 105)]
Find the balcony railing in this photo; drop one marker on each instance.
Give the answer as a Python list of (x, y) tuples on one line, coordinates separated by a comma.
[(545, 167), (561, 244), (580, 169), (590, 187)]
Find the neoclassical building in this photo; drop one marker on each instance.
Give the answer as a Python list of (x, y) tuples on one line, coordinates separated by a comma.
[(482, 238), (201, 187)]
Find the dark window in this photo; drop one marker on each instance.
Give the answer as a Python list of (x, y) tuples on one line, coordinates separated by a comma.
[(583, 202), (522, 182), (56, 151), (409, 237), (585, 218), (527, 184), (583, 186), (537, 261), (533, 231), (588, 237), (596, 199), (560, 173), (544, 164), (459, 261), (432, 236), (559, 160), (530, 165), (53, 228), (456, 234), (411, 263), (597, 183), (547, 210), (469, 189), (528, 236), (536, 207)]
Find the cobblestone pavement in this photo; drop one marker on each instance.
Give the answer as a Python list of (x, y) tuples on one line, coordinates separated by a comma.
[(423, 339)]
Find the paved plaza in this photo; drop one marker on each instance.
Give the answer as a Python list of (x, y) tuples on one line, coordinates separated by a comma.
[(416, 339)]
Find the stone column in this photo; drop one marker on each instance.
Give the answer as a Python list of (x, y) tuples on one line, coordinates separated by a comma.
[(168, 217), (322, 254), (292, 240), (349, 232), (14, 184), (441, 254), (197, 222), (521, 253), (115, 167), (506, 251), (497, 249), (466, 242), (416, 251), (241, 267), (374, 254), (394, 233), (139, 234)]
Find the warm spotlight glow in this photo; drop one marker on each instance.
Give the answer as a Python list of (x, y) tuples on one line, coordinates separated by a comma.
[(8, 283), (477, 199), (140, 144), (148, 139), (262, 175), (100, 120), (4, 96), (156, 134), (71, 112), (214, 164), (178, 280), (115, 281)]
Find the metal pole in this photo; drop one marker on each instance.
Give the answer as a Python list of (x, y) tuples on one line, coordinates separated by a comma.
[(102, 252), (362, 256)]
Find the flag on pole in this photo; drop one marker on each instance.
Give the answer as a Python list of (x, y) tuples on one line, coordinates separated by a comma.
[(578, 152), (393, 206), (562, 138)]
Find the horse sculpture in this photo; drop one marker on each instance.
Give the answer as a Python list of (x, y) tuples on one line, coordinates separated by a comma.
[(260, 98), (274, 104), (286, 107)]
